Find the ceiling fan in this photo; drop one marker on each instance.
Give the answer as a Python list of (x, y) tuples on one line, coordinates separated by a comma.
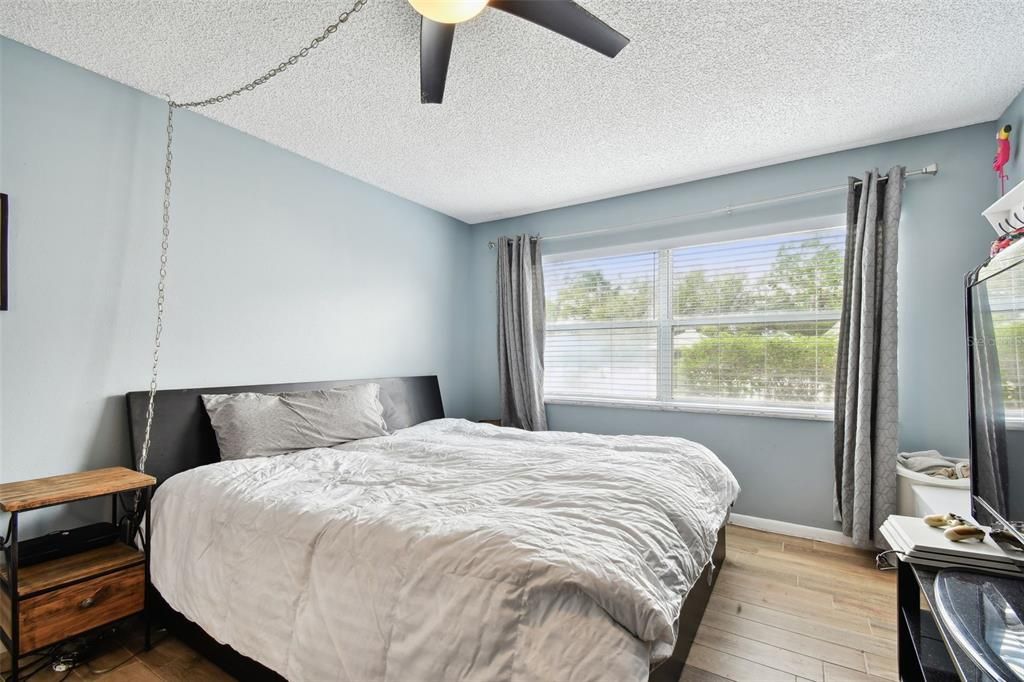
[(439, 17)]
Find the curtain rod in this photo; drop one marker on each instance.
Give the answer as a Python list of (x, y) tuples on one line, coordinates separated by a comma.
[(931, 169)]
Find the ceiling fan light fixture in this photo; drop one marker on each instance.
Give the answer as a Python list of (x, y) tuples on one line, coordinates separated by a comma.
[(449, 11)]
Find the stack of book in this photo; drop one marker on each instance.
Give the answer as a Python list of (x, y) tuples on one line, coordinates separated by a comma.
[(919, 543)]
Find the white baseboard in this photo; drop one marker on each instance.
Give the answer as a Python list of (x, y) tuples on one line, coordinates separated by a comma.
[(796, 530)]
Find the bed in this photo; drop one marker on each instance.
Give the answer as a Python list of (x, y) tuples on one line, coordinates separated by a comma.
[(448, 550)]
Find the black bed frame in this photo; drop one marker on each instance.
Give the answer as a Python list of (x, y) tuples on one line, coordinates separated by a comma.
[(182, 438)]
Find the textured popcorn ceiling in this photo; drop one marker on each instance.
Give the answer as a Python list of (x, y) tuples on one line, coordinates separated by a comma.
[(533, 121)]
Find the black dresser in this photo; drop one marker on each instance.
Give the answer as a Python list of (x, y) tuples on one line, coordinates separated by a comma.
[(929, 649)]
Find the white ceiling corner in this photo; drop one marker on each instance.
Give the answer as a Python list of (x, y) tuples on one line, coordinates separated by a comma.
[(532, 121)]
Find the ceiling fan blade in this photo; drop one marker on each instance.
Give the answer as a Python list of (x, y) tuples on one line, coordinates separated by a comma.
[(570, 20), (435, 51)]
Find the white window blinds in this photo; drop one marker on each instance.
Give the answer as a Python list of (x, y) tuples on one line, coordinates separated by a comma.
[(1003, 296), (602, 333), (749, 322)]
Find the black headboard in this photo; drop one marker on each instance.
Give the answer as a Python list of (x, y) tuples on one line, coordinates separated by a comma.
[(183, 438)]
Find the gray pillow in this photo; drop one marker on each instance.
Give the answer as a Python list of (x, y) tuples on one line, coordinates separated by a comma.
[(263, 424)]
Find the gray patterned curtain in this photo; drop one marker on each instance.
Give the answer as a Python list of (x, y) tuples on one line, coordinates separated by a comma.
[(866, 395), (521, 332)]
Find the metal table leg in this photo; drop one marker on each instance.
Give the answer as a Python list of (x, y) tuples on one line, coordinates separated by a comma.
[(146, 494), (12, 585)]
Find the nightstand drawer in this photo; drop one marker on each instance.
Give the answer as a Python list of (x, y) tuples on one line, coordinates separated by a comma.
[(53, 616)]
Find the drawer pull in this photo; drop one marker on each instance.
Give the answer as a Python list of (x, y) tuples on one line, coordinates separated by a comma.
[(80, 607)]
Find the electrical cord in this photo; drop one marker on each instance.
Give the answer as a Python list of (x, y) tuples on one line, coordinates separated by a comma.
[(130, 521), (72, 654), (35, 659), (73, 657), (46, 656), (43, 665), (882, 562), (4, 539), (109, 669), (131, 656)]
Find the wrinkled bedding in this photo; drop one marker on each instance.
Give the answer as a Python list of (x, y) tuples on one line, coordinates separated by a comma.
[(446, 551)]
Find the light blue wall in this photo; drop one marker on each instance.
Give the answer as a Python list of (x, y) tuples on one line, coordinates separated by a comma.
[(1014, 115), (280, 269), (785, 465)]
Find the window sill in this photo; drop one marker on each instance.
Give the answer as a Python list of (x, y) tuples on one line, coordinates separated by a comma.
[(1015, 423), (701, 408)]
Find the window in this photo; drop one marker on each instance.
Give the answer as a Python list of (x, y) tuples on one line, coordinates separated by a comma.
[(742, 325), (1003, 296)]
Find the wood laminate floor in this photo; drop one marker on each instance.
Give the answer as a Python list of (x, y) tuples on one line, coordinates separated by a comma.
[(792, 609), (784, 609)]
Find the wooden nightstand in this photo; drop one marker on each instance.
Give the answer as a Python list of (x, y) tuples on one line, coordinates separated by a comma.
[(49, 602)]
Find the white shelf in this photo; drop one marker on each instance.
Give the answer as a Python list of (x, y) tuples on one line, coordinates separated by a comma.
[(1003, 209)]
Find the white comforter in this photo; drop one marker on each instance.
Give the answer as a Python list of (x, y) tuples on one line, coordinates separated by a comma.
[(447, 551)]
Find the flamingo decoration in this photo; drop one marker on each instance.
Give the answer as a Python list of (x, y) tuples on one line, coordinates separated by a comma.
[(1002, 156)]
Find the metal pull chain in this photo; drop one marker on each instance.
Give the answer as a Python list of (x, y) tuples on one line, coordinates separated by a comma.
[(166, 230), (280, 68), (161, 291)]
